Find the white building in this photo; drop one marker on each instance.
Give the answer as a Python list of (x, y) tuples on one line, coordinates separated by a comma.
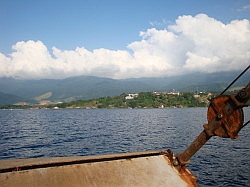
[(131, 96)]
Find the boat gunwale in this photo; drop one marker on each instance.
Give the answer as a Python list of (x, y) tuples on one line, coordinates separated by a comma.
[(21, 164)]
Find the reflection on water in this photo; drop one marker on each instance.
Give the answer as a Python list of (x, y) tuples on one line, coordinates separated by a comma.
[(49, 133)]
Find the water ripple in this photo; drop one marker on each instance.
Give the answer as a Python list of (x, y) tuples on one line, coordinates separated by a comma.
[(49, 133)]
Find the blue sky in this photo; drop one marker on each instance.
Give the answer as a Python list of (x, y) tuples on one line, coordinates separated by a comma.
[(112, 25)]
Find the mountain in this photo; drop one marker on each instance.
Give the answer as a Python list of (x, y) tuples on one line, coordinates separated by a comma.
[(6, 99), (87, 87)]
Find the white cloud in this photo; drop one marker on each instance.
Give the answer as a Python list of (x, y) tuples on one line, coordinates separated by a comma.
[(244, 8), (247, 7), (192, 44)]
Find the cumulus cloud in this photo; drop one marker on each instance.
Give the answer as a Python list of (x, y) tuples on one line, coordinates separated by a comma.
[(192, 44)]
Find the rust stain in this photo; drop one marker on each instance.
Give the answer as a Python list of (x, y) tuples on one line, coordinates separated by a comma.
[(188, 176), (183, 171)]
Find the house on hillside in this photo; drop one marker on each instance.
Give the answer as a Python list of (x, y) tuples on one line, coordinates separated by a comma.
[(173, 93), (131, 96)]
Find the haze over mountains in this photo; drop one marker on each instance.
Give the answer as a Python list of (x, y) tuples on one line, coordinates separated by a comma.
[(87, 87)]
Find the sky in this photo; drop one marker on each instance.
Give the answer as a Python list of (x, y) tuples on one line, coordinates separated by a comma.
[(122, 38)]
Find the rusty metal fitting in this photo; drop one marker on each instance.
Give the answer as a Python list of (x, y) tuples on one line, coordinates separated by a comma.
[(182, 160), (219, 116), (244, 94), (225, 119), (237, 103)]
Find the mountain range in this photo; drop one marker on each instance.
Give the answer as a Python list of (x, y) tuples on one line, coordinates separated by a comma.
[(88, 87)]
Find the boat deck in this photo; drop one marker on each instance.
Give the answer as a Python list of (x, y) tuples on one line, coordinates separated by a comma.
[(129, 169)]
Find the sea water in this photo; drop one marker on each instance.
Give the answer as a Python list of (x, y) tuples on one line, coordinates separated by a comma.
[(72, 132)]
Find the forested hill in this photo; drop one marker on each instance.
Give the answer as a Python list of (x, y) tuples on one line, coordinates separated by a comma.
[(143, 100)]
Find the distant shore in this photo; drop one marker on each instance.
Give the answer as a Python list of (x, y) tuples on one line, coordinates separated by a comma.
[(131, 100)]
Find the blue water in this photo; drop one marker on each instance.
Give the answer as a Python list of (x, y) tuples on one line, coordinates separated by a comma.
[(52, 133)]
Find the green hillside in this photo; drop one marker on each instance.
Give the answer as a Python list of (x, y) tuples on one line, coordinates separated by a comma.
[(142, 100)]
